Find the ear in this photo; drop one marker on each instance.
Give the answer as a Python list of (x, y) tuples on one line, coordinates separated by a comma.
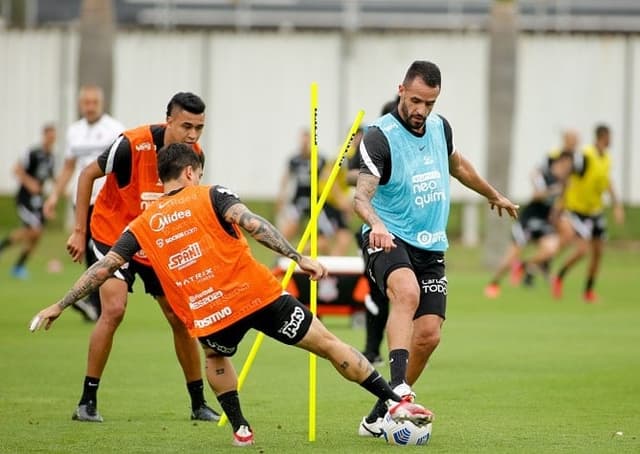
[(189, 173)]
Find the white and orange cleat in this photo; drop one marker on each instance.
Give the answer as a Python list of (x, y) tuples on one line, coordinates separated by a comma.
[(405, 410), (243, 436)]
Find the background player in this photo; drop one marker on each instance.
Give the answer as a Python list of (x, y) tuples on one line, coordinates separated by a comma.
[(584, 203), (32, 172), (535, 223)]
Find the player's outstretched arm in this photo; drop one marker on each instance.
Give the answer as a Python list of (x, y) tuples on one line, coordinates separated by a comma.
[(463, 171), (267, 235), (88, 283)]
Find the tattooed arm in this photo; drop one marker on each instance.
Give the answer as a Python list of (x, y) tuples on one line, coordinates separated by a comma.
[(88, 283), (262, 230), (267, 235), (379, 236)]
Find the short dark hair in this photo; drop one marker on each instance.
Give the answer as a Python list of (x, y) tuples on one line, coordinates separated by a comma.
[(601, 130), (186, 101), (174, 158), (427, 71)]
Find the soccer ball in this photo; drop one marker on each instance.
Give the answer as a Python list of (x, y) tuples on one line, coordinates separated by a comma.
[(405, 433)]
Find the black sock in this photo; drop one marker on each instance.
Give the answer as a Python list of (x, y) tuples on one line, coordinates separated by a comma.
[(196, 392), (378, 386), (590, 282), (4, 243), (398, 360), (378, 411), (90, 390), (562, 272), (23, 258), (372, 345), (230, 403)]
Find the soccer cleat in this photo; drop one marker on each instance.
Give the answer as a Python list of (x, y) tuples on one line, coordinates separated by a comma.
[(205, 413), (20, 272), (405, 392), (87, 412), (517, 272), (492, 291), (556, 287), (406, 410), (243, 436), (88, 311), (370, 429), (590, 297)]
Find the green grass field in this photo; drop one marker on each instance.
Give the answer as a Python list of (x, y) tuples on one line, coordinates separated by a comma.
[(515, 375)]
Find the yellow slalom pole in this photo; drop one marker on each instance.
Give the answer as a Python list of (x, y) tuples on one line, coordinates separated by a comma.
[(301, 245), (334, 172), (313, 287)]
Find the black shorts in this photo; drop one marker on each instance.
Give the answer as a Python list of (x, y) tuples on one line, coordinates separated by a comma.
[(30, 211), (336, 217), (299, 211), (129, 270), (533, 223), (428, 266), (588, 227), (286, 320)]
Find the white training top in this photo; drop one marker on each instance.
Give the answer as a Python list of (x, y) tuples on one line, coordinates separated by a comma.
[(85, 142)]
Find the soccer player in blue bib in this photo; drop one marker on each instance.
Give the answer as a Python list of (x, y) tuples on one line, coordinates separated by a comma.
[(403, 196)]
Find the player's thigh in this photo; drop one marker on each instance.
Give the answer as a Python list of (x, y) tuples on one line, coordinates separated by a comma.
[(549, 243), (403, 286), (379, 265), (113, 297)]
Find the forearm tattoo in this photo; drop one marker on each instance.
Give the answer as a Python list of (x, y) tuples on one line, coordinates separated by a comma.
[(365, 190), (92, 279), (262, 230)]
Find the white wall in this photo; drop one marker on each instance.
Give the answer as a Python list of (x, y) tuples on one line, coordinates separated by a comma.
[(256, 87), (29, 90), (259, 100)]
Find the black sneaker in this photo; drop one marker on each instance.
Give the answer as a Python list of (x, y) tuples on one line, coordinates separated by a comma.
[(87, 412), (205, 413)]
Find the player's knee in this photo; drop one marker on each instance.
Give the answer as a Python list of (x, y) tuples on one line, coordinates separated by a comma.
[(406, 296), (426, 340), (174, 321), (112, 312)]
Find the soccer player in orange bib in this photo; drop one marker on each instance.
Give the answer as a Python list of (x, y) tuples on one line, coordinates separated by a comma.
[(193, 240)]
